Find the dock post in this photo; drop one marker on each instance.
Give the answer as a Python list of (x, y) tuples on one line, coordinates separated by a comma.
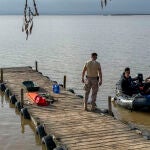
[(64, 83), (1, 75), (22, 98), (36, 66), (109, 106)]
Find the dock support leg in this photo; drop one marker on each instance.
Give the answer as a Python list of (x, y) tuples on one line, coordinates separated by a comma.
[(36, 66), (1, 75), (64, 83), (22, 98), (109, 106)]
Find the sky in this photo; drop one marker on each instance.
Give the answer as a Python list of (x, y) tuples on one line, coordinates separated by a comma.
[(78, 7)]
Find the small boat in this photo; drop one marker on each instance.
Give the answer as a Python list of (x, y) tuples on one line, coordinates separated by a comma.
[(30, 86), (135, 102), (37, 98)]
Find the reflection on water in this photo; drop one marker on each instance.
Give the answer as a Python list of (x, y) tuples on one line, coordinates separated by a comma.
[(16, 132), (139, 119)]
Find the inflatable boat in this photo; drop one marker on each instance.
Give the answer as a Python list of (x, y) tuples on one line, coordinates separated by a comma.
[(135, 102), (138, 101)]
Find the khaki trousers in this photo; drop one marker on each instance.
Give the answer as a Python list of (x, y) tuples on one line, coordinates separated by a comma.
[(91, 83)]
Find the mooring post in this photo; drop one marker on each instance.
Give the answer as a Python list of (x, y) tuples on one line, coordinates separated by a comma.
[(1, 75), (64, 84), (22, 97), (109, 105), (36, 66)]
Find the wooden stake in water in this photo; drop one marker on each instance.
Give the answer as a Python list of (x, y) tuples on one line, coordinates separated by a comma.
[(1, 75), (22, 97), (109, 105), (36, 66), (64, 84)]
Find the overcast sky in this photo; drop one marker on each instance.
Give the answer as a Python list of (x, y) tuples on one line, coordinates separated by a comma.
[(77, 6)]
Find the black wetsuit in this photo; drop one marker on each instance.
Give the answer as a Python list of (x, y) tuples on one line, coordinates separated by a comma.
[(128, 86), (146, 88)]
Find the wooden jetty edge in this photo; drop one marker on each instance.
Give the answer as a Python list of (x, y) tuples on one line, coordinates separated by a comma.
[(71, 127)]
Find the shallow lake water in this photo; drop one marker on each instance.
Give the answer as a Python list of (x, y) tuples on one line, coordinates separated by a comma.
[(15, 131)]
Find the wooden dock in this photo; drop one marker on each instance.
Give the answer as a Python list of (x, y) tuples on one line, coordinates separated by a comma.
[(65, 119)]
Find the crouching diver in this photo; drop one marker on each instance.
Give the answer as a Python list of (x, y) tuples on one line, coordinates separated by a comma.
[(128, 86), (146, 86)]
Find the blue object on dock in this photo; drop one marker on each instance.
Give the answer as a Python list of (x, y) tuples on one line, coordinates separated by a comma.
[(56, 88)]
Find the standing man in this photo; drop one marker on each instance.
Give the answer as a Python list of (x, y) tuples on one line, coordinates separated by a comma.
[(93, 79)]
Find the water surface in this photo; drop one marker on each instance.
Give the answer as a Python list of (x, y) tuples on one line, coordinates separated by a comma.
[(62, 45), (16, 132)]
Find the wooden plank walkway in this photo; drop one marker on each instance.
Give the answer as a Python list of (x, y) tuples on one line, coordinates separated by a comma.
[(65, 119)]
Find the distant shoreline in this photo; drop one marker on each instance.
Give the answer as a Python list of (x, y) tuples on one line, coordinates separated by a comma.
[(129, 14), (78, 14)]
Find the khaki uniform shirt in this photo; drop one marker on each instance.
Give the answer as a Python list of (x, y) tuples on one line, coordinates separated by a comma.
[(92, 68)]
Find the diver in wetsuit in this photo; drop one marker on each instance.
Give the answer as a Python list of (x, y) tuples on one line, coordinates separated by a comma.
[(146, 86), (128, 86)]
